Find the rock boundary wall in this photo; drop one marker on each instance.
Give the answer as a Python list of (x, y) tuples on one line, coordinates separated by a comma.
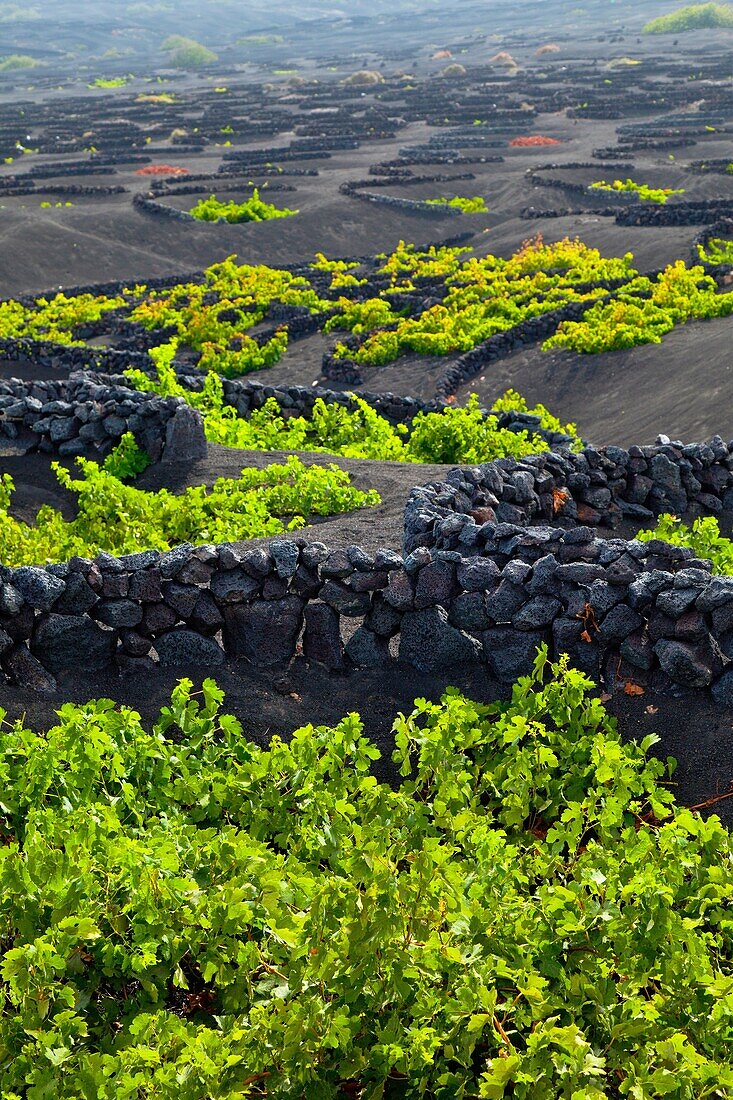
[(83, 415), (498, 559)]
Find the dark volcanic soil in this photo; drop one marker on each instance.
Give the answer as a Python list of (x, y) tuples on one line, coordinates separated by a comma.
[(682, 387), (695, 731)]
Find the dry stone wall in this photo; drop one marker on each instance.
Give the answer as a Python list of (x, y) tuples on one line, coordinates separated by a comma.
[(79, 415), (497, 559)]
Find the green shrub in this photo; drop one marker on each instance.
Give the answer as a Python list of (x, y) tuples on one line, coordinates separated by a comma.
[(122, 519), (646, 194), (252, 210), (527, 914), (485, 296), (261, 40), (465, 436), (511, 401), (703, 537), (717, 251), (17, 61), (19, 13), (456, 435), (108, 82), (476, 205), (480, 297), (54, 319), (644, 311), (692, 18), (186, 53)]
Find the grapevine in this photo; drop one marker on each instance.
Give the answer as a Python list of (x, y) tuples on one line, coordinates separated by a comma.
[(526, 913)]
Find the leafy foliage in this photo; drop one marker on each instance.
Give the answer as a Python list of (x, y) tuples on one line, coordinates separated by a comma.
[(527, 914), (703, 537), (476, 205), (454, 435), (109, 82), (213, 317), (56, 318), (644, 311), (186, 53), (252, 210), (513, 402), (122, 519), (486, 296), (692, 18), (16, 61), (646, 194), (717, 251), (464, 435), (127, 460), (473, 300)]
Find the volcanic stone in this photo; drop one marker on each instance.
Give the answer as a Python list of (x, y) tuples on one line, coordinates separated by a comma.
[(264, 632), (185, 440), (157, 618), (345, 600), (367, 650), (322, 636), (399, 591), (285, 556), (118, 612), (62, 642), (434, 584), (510, 653), (429, 642), (78, 597), (478, 574), (37, 587), (186, 647), (468, 612), (181, 597), (30, 673), (538, 612), (637, 650), (619, 623), (233, 586), (692, 665)]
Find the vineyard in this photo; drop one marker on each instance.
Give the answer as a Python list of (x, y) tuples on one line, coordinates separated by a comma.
[(366, 652), (387, 310), (252, 210), (195, 915)]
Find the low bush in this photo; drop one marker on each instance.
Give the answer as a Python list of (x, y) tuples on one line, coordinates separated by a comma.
[(479, 298), (646, 194), (252, 210), (368, 77), (122, 519), (692, 18), (526, 914), (54, 319), (487, 296), (717, 251), (644, 311), (186, 53), (16, 61), (703, 537), (109, 82), (456, 435), (466, 205)]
